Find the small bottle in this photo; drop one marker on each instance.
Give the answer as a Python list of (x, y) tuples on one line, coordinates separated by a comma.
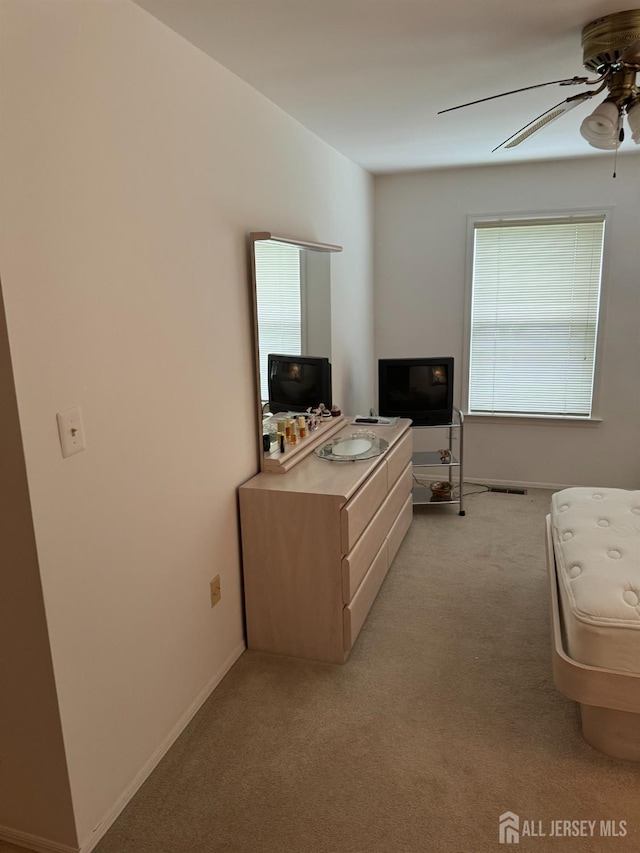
[(287, 428), (293, 434), (302, 426)]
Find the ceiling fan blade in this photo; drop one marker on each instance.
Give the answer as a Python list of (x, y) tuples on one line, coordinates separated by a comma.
[(571, 81), (544, 119)]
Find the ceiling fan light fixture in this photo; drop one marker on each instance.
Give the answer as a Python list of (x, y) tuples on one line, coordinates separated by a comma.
[(601, 128), (633, 117)]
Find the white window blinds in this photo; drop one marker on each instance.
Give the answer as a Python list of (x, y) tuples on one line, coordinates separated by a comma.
[(534, 316), (278, 299)]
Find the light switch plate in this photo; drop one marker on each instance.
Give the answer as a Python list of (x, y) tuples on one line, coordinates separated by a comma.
[(71, 431)]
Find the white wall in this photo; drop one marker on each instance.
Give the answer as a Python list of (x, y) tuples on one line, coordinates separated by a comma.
[(420, 257), (133, 168)]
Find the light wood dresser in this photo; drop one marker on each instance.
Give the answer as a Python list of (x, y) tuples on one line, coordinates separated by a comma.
[(317, 542)]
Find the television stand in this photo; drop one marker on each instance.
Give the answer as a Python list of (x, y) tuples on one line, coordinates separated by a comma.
[(422, 495)]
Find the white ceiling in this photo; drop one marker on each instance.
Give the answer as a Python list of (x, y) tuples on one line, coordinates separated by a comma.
[(369, 76)]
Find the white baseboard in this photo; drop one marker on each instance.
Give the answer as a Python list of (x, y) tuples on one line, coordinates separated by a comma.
[(34, 842), (153, 762), (518, 484)]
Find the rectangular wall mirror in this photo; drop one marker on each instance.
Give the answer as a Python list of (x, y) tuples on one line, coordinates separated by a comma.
[(291, 296)]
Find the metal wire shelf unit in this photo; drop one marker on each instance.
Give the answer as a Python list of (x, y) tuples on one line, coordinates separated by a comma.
[(422, 494)]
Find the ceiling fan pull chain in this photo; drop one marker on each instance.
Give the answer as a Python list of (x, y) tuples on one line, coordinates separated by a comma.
[(620, 141)]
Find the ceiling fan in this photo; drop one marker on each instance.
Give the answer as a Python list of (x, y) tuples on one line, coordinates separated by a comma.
[(611, 49)]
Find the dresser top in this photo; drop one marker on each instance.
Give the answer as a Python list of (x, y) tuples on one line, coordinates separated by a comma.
[(316, 476)]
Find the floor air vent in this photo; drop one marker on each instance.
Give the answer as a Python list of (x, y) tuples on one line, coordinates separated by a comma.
[(502, 491)]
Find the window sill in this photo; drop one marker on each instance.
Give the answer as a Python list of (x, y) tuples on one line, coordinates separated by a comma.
[(534, 420)]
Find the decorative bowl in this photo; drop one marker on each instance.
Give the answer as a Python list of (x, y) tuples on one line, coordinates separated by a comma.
[(440, 490)]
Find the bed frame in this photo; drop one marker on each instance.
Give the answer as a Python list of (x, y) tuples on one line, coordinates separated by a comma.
[(609, 699)]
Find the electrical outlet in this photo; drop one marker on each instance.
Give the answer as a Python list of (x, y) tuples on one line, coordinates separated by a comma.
[(215, 590)]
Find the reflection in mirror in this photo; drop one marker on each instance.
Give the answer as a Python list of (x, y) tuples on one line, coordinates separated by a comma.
[(291, 287)]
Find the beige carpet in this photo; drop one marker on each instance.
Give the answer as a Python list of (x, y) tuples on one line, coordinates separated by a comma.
[(443, 718)]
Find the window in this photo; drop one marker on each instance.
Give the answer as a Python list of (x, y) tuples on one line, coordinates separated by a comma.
[(535, 296), (279, 301)]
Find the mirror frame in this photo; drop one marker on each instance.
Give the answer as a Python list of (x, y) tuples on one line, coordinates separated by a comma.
[(254, 237)]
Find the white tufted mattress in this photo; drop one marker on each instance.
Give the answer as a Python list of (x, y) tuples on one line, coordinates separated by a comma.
[(596, 540)]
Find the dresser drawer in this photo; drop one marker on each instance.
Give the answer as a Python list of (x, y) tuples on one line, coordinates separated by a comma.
[(358, 512), (357, 562), (398, 457), (400, 527), (355, 613)]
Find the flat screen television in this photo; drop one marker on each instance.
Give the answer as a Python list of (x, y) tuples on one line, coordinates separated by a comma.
[(416, 388), (298, 382)]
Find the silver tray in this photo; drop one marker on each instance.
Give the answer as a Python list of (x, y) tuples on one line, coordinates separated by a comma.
[(350, 448)]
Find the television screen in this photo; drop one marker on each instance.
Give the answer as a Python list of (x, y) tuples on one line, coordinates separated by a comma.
[(416, 388), (298, 382)]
